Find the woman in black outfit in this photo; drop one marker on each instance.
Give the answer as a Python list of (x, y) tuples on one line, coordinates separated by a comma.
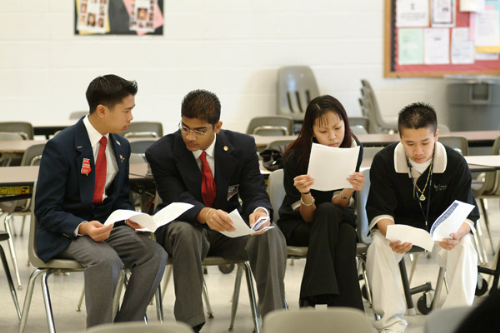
[(323, 221)]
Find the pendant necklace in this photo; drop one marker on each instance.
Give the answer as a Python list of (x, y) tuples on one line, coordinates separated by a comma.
[(422, 196)]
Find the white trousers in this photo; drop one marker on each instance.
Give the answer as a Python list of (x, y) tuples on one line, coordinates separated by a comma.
[(384, 276)]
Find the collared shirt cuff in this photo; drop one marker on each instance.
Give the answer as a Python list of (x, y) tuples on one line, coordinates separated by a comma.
[(75, 233), (376, 219), (265, 209)]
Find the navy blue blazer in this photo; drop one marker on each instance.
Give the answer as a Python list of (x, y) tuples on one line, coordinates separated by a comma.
[(64, 194), (237, 173)]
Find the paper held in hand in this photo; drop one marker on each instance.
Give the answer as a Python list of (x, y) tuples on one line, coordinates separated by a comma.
[(330, 166), (447, 223), (241, 228), (150, 223)]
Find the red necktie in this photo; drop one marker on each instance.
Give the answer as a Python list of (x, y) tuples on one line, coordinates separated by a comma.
[(208, 188), (100, 172)]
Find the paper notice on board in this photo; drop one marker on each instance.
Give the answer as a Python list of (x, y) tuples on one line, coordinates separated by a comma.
[(437, 46), (442, 12), (487, 28), (471, 5), (412, 13), (330, 166), (487, 56), (410, 46), (462, 48)]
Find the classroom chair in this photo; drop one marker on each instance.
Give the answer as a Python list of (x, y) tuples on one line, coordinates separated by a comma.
[(6, 159), (32, 156), (77, 114), (359, 125), (296, 88), (271, 125), (133, 327), (331, 320), (371, 110), (459, 143), (5, 236), (25, 129)]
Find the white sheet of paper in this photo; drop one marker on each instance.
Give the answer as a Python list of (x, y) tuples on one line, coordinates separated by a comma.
[(462, 48), (241, 228), (437, 46), (451, 220), (408, 234), (330, 166), (150, 223), (487, 28), (412, 13), (471, 5)]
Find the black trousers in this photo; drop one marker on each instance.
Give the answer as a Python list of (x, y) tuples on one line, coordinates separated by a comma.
[(330, 274)]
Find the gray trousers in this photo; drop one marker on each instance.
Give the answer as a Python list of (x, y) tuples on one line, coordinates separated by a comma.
[(189, 245), (103, 261)]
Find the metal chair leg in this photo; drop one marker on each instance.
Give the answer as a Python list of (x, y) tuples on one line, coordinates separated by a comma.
[(159, 305), (12, 250), (236, 295), (251, 294), (46, 299), (487, 223), (439, 287), (414, 260), (480, 239), (80, 301), (28, 297), (11, 283), (210, 313)]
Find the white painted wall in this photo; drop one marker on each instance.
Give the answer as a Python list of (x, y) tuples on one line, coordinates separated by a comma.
[(232, 47)]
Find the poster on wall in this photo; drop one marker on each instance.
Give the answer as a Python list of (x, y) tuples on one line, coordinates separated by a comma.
[(119, 17)]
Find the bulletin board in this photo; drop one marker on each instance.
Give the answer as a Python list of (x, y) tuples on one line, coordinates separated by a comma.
[(392, 34), (118, 17)]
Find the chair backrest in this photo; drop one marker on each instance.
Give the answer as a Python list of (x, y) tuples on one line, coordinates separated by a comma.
[(137, 158), (459, 143), (140, 146), (360, 122), (446, 320), (25, 129), (271, 125), (296, 88), (378, 124), (33, 155), (443, 129), (279, 143), (492, 179), (77, 114), (370, 152), (133, 327), (10, 136), (276, 191), (336, 319), (362, 219), (144, 129)]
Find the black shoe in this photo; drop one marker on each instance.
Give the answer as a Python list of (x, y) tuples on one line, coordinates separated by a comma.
[(197, 328), (306, 302)]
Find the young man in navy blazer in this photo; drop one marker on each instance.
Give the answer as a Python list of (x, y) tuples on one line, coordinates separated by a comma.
[(179, 164), (75, 196)]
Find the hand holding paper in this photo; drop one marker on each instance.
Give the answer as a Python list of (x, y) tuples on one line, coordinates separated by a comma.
[(164, 216), (241, 228), (447, 223), (330, 167)]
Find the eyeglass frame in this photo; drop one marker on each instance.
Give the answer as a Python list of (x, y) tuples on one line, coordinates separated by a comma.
[(186, 130)]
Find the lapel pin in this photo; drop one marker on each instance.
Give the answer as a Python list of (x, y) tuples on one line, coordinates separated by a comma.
[(79, 147), (122, 159), (225, 148), (118, 143), (86, 166)]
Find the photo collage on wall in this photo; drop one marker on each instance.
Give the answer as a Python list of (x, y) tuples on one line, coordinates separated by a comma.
[(142, 17), (93, 15)]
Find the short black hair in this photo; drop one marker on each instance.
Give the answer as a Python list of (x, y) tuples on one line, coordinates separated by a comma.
[(109, 90), (417, 115), (201, 104)]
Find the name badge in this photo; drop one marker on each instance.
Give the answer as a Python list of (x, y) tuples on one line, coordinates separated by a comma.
[(232, 191), (86, 167)]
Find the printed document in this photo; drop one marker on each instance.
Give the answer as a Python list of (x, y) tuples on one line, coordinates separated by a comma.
[(330, 166), (241, 228), (412, 13), (150, 223), (410, 46), (462, 48), (447, 223), (437, 46)]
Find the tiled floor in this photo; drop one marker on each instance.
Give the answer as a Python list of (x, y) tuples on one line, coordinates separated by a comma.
[(65, 291)]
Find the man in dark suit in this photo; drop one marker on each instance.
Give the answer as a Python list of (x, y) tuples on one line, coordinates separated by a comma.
[(212, 168), (83, 178)]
